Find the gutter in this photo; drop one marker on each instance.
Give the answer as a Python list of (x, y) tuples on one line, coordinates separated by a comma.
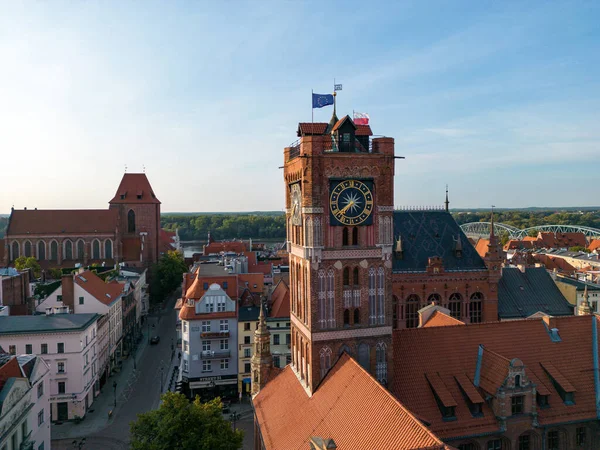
[(595, 355), (478, 366)]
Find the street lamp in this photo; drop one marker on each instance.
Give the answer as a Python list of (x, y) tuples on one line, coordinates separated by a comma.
[(233, 417), (161, 378), (115, 392)]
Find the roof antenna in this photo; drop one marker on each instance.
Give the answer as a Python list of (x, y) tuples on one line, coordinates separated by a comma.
[(125, 168), (144, 168), (447, 202)]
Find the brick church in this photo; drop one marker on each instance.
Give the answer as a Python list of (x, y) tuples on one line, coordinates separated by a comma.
[(128, 231), (396, 342)]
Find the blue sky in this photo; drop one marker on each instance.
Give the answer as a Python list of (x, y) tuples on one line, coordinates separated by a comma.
[(498, 99)]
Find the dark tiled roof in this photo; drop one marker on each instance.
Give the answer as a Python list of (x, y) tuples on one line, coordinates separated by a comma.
[(45, 324), (57, 221), (248, 313), (432, 233), (521, 294)]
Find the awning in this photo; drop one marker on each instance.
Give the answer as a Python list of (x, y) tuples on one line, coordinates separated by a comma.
[(246, 380)]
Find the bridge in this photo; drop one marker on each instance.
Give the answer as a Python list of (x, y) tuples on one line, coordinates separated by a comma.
[(482, 230)]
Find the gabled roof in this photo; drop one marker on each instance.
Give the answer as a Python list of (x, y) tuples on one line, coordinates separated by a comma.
[(288, 417), (106, 293), (439, 319), (58, 221), (521, 294), (551, 263), (594, 245), (310, 129), (197, 287), (9, 368), (432, 233), (482, 247), (452, 351), (341, 122), (363, 130), (134, 188), (280, 301)]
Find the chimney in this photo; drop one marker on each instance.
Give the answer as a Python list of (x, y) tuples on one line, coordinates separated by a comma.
[(68, 291), (317, 443), (550, 321)]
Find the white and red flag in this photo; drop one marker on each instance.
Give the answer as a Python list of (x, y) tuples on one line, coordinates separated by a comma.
[(361, 118)]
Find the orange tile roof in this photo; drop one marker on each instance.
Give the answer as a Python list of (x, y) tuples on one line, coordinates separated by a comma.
[(280, 300), (517, 244), (594, 245), (307, 128), (134, 188), (288, 417), (252, 279), (196, 289), (440, 389), (548, 239), (363, 130), (439, 319), (58, 221), (106, 293), (189, 313), (226, 246), (482, 247), (166, 240), (452, 351), (468, 388)]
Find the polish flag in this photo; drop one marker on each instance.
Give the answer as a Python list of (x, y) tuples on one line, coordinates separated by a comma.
[(361, 118)]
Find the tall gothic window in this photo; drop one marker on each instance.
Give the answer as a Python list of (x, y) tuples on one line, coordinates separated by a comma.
[(53, 251), (308, 230), (345, 240), (346, 276), (80, 250), (475, 307), (381, 295), (15, 250), (41, 250), (68, 250), (455, 305), (317, 233), (346, 317), (27, 249), (394, 311), (364, 356), (325, 359), (355, 277), (372, 297), (131, 221), (381, 363), (322, 299), (356, 316), (108, 249), (412, 308), (355, 236), (331, 298), (96, 249)]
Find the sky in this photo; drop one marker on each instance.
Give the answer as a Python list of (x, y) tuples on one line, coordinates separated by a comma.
[(498, 99)]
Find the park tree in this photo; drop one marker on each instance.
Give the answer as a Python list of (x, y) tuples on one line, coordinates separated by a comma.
[(182, 425), (24, 263), (166, 275)]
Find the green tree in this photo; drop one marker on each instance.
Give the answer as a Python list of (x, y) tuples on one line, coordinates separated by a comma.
[(166, 275), (180, 425), (579, 248), (23, 263)]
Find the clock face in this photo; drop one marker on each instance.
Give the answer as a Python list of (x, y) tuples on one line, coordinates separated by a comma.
[(351, 202), (296, 200)]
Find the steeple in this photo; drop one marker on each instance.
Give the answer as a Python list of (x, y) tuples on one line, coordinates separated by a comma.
[(262, 360), (584, 307), (447, 202), (492, 225)]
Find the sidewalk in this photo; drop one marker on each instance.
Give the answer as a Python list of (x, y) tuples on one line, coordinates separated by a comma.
[(97, 415)]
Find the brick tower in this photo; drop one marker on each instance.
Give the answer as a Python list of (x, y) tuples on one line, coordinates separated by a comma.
[(339, 207), (139, 219)]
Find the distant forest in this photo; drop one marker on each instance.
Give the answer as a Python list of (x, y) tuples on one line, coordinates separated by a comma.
[(271, 225)]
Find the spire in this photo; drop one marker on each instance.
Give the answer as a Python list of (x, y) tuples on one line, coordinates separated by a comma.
[(584, 307), (262, 324), (492, 225), (262, 360), (447, 202)]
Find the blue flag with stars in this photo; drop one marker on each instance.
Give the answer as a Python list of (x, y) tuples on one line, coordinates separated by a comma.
[(320, 100)]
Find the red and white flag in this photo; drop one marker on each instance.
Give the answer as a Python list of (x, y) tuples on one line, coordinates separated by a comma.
[(361, 118)]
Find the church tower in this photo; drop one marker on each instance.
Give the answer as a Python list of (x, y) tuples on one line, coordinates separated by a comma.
[(262, 360), (339, 206)]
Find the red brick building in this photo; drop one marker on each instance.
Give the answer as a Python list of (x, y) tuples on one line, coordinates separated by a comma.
[(128, 231)]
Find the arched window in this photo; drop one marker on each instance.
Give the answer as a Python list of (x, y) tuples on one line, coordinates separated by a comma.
[(15, 250), (356, 278), (68, 250), (372, 297), (357, 316), (131, 221), (355, 236), (381, 296), (331, 298), (41, 251), (325, 359), (108, 249), (345, 237), (80, 249), (27, 251), (434, 298), (96, 249), (346, 317), (412, 308), (475, 307), (53, 251), (345, 348), (381, 363), (394, 311), (346, 276), (529, 439), (517, 381), (455, 305), (364, 356), (322, 293)]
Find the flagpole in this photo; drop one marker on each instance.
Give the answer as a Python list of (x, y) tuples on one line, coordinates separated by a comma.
[(312, 110)]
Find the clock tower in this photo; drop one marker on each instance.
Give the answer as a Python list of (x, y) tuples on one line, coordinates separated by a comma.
[(339, 207)]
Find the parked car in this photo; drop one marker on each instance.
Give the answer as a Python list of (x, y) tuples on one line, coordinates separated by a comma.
[(154, 340)]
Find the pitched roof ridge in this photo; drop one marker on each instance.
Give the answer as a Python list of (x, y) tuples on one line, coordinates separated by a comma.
[(385, 391), (444, 320)]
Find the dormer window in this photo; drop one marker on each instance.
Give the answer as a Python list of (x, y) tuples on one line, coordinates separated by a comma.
[(139, 196), (122, 196), (542, 400), (517, 402), (442, 395), (517, 381), (564, 388)]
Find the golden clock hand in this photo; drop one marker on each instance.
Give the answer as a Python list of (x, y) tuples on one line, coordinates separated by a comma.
[(345, 208)]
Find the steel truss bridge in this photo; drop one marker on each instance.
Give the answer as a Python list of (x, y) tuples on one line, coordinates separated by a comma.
[(482, 230)]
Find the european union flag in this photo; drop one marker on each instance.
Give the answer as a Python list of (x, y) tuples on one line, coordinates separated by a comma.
[(320, 100)]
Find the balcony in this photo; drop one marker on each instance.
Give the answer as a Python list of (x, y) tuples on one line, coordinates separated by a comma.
[(214, 334), (215, 354)]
